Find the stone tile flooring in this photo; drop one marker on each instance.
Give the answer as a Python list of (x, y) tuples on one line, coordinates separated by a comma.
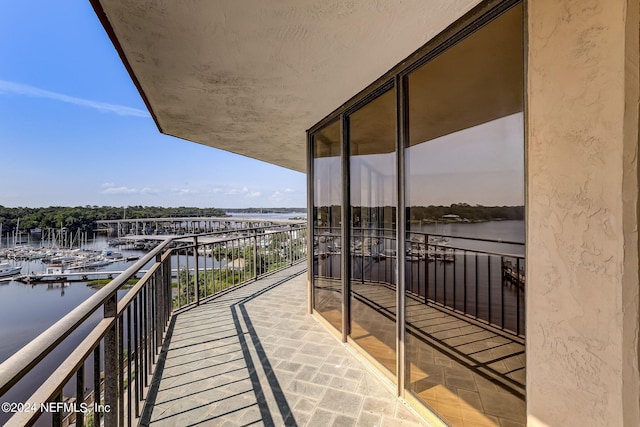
[(254, 356), (468, 374)]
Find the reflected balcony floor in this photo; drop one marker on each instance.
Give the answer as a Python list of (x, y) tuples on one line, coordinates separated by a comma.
[(254, 356), (467, 372)]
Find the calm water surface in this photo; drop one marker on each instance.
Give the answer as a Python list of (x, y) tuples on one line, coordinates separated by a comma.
[(28, 310)]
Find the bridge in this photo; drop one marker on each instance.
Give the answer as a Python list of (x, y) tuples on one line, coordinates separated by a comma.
[(182, 225)]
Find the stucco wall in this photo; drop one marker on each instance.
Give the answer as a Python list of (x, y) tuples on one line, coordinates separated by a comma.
[(251, 76), (582, 185)]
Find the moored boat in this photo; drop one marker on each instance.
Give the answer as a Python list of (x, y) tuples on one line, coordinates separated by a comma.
[(7, 270)]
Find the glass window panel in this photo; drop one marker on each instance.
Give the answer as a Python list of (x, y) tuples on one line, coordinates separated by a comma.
[(464, 192), (372, 162), (327, 190)]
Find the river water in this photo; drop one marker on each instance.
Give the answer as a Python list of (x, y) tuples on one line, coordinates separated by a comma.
[(28, 310)]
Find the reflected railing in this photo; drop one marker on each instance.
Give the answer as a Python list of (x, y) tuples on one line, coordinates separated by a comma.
[(106, 378), (327, 247), (479, 279)]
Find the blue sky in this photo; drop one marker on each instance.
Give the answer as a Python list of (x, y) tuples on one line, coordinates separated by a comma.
[(74, 130)]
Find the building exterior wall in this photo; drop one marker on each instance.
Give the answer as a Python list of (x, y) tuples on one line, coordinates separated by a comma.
[(582, 186), (434, 300)]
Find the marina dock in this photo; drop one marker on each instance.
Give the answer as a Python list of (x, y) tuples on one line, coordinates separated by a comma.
[(81, 276)]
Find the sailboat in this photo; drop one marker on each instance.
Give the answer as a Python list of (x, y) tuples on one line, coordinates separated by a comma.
[(8, 270), (440, 251)]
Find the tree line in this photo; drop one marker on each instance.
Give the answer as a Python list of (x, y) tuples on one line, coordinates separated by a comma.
[(473, 213), (84, 218), (266, 210)]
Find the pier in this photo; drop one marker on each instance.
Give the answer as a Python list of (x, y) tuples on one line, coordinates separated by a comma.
[(81, 276)]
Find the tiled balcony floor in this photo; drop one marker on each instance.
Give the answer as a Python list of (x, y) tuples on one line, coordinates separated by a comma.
[(469, 374), (255, 357)]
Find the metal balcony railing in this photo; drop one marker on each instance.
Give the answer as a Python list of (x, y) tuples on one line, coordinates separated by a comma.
[(106, 378)]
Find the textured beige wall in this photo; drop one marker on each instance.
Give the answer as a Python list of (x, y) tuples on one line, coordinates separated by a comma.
[(631, 181), (582, 190)]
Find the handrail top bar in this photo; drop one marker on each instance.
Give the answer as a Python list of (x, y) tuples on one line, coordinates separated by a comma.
[(13, 369)]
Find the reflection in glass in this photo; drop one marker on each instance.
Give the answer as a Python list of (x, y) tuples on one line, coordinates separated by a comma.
[(464, 192), (327, 190), (372, 140)]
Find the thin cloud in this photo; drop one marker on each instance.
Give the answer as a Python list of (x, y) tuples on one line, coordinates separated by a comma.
[(183, 191), (236, 191), (20, 89), (277, 196), (109, 188), (120, 190)]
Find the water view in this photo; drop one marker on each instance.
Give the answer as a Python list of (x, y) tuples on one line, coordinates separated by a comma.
[(27, 309), (35, 300)]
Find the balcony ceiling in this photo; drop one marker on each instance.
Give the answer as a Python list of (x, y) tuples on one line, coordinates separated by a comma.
[(252, 76)]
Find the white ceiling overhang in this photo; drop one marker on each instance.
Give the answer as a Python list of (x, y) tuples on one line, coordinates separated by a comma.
[(251, 76)]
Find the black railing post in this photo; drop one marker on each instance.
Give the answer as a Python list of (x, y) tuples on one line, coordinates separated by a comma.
[(427, 272), (144, 339), (129, 350), (476, 284), (159, 303), (56, 417), (80, 396), (111, 369), (178, 278), (137, 361), (196, 274), (489, 286), (502, 292), (464, 281), (120, 368), (96, 386), (455, 283), (186, 285), (435, 273), (518, 297), (443, 261), (148, 331), (169, 288), (255, 257)]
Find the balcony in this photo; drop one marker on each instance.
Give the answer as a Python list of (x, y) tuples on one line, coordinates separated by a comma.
[(215, 332), (254, 356)]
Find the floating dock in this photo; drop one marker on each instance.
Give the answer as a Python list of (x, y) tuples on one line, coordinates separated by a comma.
[(78, 276)]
